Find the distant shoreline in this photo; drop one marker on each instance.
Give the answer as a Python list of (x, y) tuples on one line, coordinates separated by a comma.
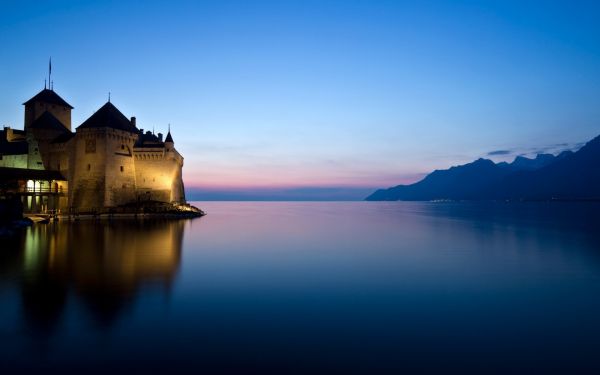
[(564, 200)]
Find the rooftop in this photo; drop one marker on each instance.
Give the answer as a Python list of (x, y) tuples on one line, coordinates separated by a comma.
[(108, 116), (48, 96), (148, 140), (48, 121), (13, 148)]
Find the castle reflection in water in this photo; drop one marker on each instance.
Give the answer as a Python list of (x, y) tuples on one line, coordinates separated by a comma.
[(102, 266)]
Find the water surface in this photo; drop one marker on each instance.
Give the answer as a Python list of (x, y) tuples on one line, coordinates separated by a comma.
[(340, 287)]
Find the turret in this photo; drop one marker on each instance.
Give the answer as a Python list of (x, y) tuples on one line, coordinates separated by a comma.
[(169, 144)]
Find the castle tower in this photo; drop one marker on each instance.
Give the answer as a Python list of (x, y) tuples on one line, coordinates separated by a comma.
[(50, 101), (102, 163), (47, 116)]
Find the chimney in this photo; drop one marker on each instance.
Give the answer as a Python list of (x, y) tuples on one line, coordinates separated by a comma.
[(133, 120), (160, 137)]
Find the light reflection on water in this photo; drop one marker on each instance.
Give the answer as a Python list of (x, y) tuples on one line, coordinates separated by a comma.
[(301, 287), (100, 264)]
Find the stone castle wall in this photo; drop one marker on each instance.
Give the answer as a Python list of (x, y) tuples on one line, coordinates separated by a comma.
[(120, 181), (87, 165), (156, 173), (14, 161), (59, 157), (177, 188)]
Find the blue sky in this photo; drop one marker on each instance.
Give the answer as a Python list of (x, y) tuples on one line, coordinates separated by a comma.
[(304, 95)]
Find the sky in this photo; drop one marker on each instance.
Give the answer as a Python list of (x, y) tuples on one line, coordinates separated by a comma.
[(317, 99)]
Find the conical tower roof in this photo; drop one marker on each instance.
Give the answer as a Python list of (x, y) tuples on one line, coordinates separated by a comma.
[(48, 96), (108, 116), (48, 121)]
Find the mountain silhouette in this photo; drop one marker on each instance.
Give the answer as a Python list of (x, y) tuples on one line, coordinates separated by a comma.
[(461, 182), (569, 176)]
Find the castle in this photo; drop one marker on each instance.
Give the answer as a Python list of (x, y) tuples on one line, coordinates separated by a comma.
[(107, 164)]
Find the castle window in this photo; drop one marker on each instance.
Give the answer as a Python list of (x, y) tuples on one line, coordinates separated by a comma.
[(122, 147), (90, 146), (89, 167), (121, 168)]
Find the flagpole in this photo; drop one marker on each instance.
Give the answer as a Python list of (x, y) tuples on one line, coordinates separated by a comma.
[(49, 72)]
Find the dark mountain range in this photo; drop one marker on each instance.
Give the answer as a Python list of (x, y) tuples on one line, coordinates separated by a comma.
[(541, 160), (569, 175)]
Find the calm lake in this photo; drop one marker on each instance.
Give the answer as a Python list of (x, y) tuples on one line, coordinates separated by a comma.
[(274, 287)]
